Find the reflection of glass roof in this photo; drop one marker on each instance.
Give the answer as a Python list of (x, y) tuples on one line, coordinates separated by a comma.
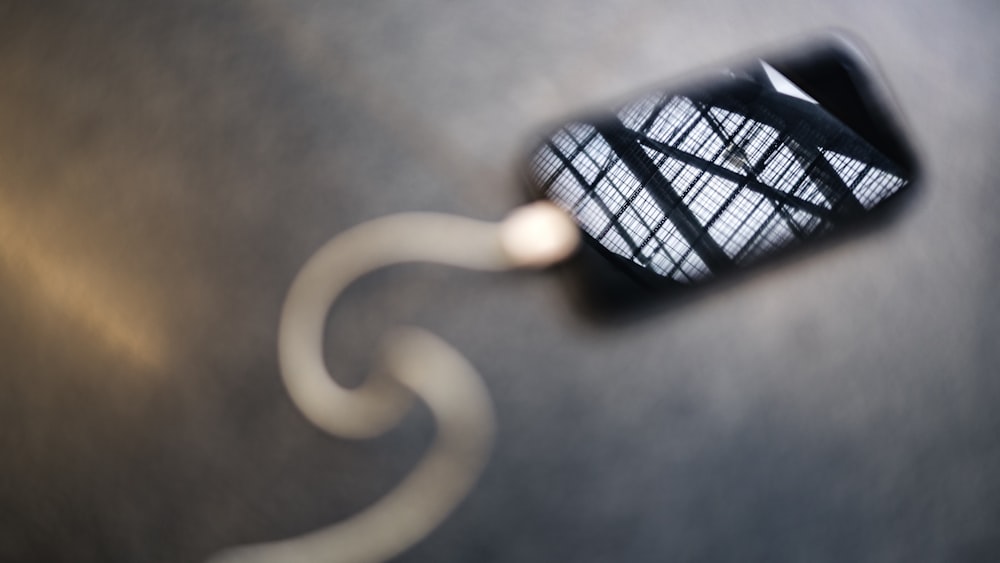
[(685, 187)]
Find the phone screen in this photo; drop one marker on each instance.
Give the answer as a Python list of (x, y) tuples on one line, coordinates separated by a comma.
[(683, 185)]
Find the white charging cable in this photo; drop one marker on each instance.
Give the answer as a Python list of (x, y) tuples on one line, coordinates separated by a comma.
[(416, 364)]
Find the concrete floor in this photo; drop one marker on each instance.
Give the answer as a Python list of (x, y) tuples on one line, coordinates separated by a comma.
[(166, 168)]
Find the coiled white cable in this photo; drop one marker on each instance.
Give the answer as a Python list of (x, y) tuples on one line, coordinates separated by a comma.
[(417, 365)]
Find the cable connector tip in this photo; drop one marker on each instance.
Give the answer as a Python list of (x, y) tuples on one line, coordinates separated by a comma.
[(538, 235)]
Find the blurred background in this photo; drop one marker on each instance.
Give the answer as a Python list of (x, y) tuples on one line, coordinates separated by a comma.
[(166, 168)]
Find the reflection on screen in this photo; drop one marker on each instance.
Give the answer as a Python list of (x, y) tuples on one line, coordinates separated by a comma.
[(688, 185)]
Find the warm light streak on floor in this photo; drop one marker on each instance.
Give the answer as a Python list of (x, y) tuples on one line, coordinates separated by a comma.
[(97, 302)]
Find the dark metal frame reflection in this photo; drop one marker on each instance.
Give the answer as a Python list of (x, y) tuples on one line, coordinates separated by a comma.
[(690, 185)]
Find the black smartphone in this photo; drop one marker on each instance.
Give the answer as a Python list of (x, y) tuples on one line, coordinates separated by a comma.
[(685, 185)]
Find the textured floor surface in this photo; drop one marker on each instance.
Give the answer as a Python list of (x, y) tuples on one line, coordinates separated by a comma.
[(166, 167)]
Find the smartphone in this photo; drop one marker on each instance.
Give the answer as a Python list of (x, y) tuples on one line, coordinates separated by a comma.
[(682, 186)]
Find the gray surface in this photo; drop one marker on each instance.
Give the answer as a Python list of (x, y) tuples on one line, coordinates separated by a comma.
[(165, 168)]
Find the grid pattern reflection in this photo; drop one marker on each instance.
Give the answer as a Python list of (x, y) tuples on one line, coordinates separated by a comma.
[(686, 186)]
